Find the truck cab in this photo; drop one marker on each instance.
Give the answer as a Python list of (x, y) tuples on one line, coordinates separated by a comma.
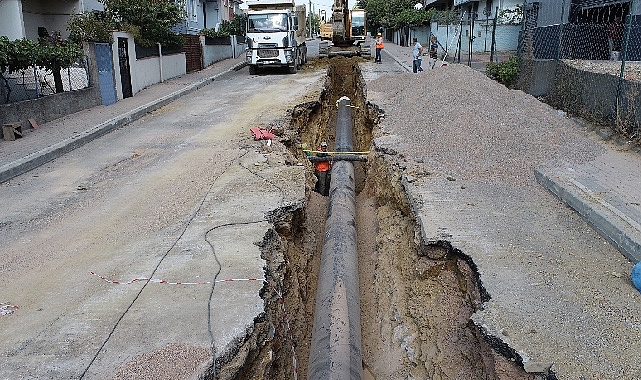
[(275, 35)]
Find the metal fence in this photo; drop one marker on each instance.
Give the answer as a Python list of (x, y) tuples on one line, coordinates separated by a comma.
[(475, 40), (470, 30), (583, 56), (37, 82)]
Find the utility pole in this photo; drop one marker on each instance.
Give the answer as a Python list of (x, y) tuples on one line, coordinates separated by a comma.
[(310, 18)]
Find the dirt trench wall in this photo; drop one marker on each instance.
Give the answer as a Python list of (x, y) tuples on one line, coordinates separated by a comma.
[(423, 296), (416, 298)]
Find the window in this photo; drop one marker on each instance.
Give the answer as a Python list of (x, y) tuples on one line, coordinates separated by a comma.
[(267, 23), (192, 11)]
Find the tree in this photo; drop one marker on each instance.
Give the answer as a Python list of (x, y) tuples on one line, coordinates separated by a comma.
[(391, 13), (512, 16), (315, 22), (414, 17), (50, 51), (239, 24), (14, 56), (55, 53), (226, 28), (150, 21), (90, 27)]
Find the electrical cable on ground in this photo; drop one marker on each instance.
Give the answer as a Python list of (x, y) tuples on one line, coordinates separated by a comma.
[(187, 224), (113, 329), (150, 279), (165, 282), (212, 341), (214, 280)]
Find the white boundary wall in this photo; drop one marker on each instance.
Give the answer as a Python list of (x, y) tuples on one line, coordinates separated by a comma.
[(147, 71)]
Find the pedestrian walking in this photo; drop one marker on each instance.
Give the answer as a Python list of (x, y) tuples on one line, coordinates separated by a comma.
[(417, 56), (380, 45), (433, 50), (433, 47)]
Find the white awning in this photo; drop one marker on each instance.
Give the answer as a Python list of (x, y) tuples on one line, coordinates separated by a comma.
[(460, 2), (586, 4)]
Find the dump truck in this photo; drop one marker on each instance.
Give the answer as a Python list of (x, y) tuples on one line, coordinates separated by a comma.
[(326, 31), (276, 35), (349, 32)]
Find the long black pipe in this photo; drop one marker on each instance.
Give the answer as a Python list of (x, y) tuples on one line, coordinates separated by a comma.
[(338, 157), (335, 352)]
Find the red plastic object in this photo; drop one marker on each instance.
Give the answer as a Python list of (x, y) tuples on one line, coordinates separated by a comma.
[(261, 134)]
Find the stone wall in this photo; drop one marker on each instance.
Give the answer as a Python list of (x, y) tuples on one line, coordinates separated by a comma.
[(51, 107), (600, 98)]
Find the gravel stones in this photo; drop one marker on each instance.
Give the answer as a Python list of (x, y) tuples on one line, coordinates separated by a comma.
[(466, 125), (549, 275)]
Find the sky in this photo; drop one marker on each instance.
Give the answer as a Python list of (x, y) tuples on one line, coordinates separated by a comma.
[(324, 4)]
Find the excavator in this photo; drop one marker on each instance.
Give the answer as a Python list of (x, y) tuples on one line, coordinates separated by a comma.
[(349, 32)]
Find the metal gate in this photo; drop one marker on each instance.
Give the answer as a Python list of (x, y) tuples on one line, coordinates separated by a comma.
[(125, 73), (104, 60), (193, 53)]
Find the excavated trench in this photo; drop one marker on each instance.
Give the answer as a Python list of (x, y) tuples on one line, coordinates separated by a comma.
[(416, 300)]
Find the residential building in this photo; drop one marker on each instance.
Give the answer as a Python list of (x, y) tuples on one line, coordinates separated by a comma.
[(475, 32), (582, 29), (208, 14), (22, 18), (485, 9)]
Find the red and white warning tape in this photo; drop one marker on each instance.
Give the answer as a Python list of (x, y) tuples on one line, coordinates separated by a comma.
[(7, 308), (160, 281)]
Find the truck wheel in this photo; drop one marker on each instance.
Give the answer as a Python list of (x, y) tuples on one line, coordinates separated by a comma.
[(253, 70), (294, 68)]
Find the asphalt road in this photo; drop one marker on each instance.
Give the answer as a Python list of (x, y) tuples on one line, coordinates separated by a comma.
[(178, 195)]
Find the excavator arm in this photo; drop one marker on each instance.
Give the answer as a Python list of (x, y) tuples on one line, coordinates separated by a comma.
[(341, 24), (349, 32)]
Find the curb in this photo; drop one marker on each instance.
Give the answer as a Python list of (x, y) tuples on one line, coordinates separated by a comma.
[(611, 223), (409, 69), (41, 157)]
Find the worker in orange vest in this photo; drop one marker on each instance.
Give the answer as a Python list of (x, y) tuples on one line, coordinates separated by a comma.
[(380, 45), (321, 170)]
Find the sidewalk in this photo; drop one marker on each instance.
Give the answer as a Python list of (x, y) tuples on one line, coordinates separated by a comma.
[(606, 193), (403, 56), (62, 135)]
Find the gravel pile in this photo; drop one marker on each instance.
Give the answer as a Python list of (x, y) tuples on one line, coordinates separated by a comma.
[(560, 294), (173, 361), (468, 126)]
